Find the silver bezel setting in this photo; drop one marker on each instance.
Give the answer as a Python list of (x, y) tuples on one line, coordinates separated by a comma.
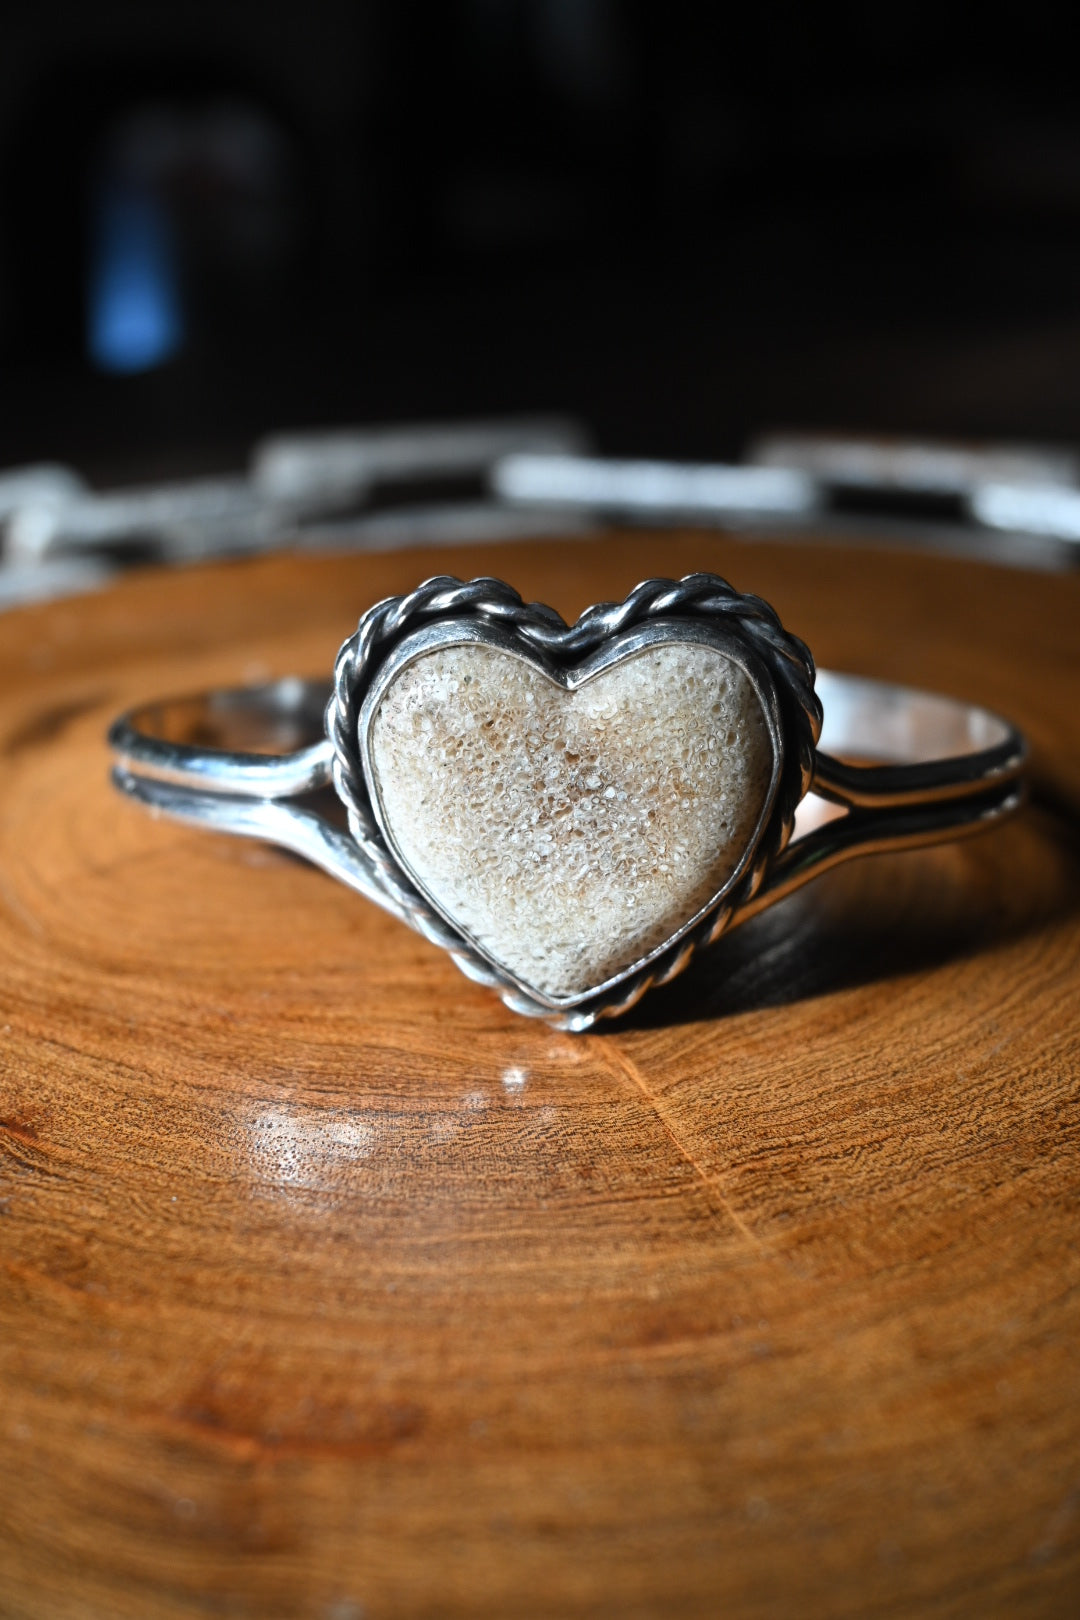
[(701, 605)]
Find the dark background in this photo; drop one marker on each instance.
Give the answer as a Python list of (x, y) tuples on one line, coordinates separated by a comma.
[(686, 223)]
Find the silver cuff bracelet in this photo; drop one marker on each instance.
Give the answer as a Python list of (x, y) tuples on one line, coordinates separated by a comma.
[(572, 810)]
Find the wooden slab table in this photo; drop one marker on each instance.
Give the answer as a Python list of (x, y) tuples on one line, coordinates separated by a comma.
[(330, 1288)]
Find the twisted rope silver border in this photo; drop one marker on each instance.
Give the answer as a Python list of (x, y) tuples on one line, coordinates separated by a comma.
[(787, 660)]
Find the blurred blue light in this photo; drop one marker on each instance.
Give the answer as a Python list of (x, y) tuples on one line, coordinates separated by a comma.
[(135, 319)]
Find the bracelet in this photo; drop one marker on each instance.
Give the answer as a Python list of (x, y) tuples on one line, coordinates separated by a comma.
[(573, 810)]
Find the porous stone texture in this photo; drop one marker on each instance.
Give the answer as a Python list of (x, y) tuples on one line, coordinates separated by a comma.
[(571, 833)]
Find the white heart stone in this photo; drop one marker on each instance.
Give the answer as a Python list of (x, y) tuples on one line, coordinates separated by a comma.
[(570, 833)]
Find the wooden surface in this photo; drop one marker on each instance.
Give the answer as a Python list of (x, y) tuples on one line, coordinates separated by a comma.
[(330, 1288)]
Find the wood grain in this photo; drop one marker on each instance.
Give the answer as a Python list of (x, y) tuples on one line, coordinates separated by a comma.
[(330, 1288)]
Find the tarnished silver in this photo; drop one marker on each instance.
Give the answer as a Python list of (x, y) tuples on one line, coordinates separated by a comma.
[(952, 768)]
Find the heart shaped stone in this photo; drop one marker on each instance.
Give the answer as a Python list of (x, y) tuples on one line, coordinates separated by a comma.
[(571, 826)]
